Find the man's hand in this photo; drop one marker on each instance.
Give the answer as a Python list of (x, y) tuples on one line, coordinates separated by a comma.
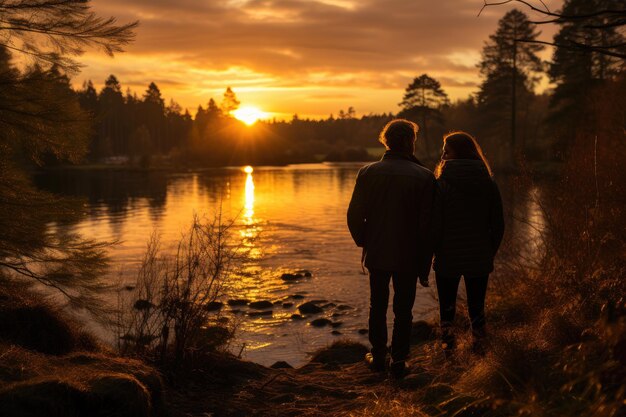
[(424, 281)]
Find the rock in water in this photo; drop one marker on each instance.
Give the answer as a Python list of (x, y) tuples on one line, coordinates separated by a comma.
[(260, 305), (260, 313), (290, 277), (321, 322), (213, 306), (238, 302), (143, 305), (309, 308)]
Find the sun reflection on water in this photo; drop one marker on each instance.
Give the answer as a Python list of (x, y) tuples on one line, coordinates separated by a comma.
[(248, 196), (250, 230)]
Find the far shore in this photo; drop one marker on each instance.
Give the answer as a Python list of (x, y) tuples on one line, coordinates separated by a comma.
[(536, 168)]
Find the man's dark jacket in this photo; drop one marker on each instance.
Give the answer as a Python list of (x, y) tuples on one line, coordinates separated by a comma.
[(389, 214), (468, 222)]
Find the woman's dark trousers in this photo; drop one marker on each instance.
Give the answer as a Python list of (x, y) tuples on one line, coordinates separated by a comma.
[(404, 284), (476, 288)]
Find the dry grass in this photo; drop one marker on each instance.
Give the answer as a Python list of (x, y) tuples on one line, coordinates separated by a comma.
[(34, 384), (28, 321)]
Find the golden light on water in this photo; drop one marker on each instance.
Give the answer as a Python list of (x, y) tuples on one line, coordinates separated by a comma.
[(249, 114), (248, 195)]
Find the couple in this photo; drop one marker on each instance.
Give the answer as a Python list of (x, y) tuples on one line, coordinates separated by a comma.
[(401, 214)]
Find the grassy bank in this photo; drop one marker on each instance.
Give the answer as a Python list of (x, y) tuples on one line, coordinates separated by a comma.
[(50, 367)]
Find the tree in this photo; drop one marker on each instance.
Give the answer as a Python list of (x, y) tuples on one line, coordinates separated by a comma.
[(110, 117), (40, 116), (422, 102), (152, 115), (54, 32), (600, 15), (229, 102), (348, 114), (509, 69), (576, 71)]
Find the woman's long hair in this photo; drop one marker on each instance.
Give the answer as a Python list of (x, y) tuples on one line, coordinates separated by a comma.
[(464, 146)]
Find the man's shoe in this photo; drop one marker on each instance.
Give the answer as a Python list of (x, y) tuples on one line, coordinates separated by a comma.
[(376, 364), (397, 369)]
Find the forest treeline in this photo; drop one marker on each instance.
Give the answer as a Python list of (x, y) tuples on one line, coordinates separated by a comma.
[(120, 126)]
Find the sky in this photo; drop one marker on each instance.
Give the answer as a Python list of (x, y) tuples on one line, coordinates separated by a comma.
[(310, 57)]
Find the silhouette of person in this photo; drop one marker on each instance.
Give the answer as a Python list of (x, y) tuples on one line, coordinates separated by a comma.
[(468, 227), (389, 217)]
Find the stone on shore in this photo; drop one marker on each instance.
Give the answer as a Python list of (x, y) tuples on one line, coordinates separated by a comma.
[(341, 352), (281, 365)]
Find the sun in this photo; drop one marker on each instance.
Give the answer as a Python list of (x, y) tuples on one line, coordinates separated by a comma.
[(249, 114)]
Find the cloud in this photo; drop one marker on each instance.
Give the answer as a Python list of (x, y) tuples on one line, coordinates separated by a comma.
[(286, 46)]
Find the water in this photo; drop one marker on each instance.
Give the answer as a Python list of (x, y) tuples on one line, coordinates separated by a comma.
[(293, 218)]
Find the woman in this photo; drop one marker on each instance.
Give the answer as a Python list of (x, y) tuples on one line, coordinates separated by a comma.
[(469, 226)]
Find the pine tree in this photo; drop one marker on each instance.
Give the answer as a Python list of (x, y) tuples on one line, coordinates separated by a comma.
[(111, 115), (152, 115), (576, 71), (422, 102), (229, 102), (509, 68)]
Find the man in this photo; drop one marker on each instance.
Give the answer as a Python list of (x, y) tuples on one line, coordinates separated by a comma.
[(389, 217)]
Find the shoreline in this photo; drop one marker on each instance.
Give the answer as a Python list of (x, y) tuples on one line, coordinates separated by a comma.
[(536, 169)]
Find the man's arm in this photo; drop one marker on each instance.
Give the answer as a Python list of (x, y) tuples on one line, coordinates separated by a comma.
[(356, 213)]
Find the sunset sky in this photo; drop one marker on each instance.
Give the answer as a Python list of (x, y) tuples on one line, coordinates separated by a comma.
[(311, 57)]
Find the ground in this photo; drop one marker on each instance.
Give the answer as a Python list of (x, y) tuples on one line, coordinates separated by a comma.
[(336, 382)]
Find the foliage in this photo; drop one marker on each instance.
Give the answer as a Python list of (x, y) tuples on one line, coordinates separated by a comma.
[(41, 120), (229, 102), (169, 309), (51, 33), (423, 102), (577, 72), (509, 70), (558, 320)]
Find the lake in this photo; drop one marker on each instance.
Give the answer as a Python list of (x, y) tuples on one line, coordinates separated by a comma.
[(293, 218)]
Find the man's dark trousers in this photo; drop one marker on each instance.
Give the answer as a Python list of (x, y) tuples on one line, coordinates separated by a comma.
[(404, 284)]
